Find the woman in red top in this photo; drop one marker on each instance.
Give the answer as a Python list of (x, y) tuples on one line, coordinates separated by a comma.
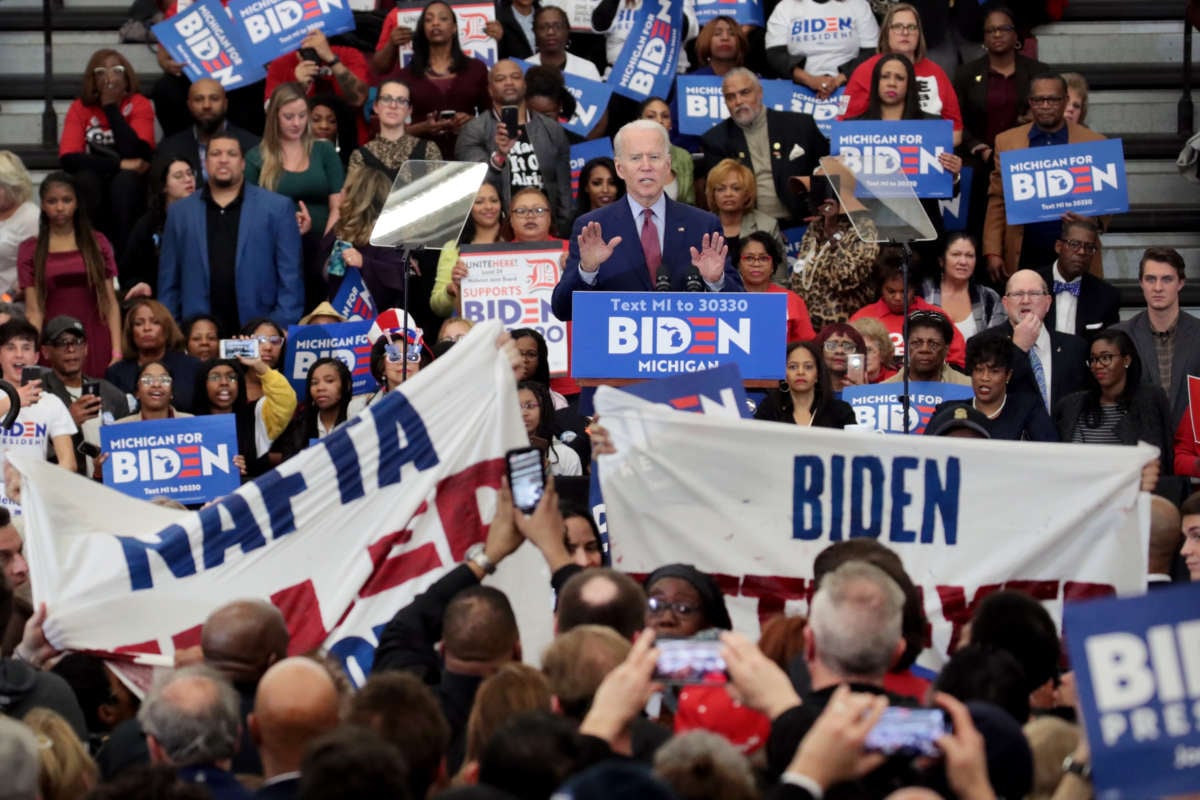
[(901, 33), (107, 142), (68, 269), (757, 262)]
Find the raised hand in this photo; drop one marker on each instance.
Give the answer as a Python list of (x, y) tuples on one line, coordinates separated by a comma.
[(594, 251), (710, 258)]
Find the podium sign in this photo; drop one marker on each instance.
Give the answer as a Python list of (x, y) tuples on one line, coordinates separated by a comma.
[(656, 334)]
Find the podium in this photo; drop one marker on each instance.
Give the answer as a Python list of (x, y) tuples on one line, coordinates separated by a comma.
[(622, 337)]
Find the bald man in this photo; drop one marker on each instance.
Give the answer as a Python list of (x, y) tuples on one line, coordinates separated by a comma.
[(208, 105), (1166, 536), (296, 703)]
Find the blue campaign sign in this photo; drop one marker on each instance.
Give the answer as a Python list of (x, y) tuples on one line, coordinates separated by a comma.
[(878, 405), (353, 299), (210, 45), (646, 65), (276, 27), (346, 341), (650, 335), (1138, 677), (745, 12), (909, 149), (955, 209), (787, 96), (187, 459), (793, 237), (584, 152), (1043, 183), (698, 103), (719, 390), (591, 101)]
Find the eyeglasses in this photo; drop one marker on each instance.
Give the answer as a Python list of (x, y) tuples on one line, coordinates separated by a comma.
[(395, 355), (532, 405), (903, 27), (926, 344), (658, 605), (1026, 295), (221, 377), (388, 100), (117, 70), (1101, 359), (755, 259), (995, 29), (69, 344), (1046, 100), (846, 347), (1083, 247), (530, 212), (155, 380), (550, 26), (273, 340)]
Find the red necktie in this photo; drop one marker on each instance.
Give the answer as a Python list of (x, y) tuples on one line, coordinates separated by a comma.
[(650, 245)]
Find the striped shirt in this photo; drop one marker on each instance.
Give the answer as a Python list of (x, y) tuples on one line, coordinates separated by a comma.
[(1106, 433)]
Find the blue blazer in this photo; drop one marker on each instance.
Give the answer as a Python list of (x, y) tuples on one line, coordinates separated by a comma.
[(268, 276), (625, 270)]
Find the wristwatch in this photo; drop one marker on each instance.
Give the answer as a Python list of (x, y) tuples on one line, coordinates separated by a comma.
[(479, 558), (333, 62), (1082, 769)]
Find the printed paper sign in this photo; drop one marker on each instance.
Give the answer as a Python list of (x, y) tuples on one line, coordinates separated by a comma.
[(591, 101), (647, 62), (654, 334), (353, 299), (472, 30), (897, 159), (878, 405), (1137, 672), (210, 45), (1043, 183), (186, 459), (345, 341), (276, 27), (745, 12), (584, 152), (513, 283)]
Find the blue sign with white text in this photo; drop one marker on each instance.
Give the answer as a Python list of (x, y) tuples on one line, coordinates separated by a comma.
[(276, 27), (699, 104), (584, 152), (899, 154), (186, 459), (345, 341), (591, 101), (745, 12), (955, 210), (655, 334), (787, 96), (1043, 183), (210, 45), (878, 405), (353, 299), (1137, 674), (648, 60)]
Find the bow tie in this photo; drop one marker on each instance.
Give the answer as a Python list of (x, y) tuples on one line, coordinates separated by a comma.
[(1071, 287)]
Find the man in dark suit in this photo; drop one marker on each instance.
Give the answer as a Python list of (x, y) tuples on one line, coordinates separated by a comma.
[(296, 702), (775, 145), (1164, 327), (207, 103), (1045, 362), (1082, 303), (650, 236)]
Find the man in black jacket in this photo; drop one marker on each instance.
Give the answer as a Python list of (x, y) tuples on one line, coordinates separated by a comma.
[(1083, 303)]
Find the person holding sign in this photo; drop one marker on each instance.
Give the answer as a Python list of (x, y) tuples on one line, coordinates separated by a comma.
[(483, 226), (808, 44), (648, 234), (805, 396)]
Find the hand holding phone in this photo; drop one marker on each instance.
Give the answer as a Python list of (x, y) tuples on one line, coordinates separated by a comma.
[(238, 348), (856, 371), (526, 477), (691, 660), (510, 116), (907, 731)]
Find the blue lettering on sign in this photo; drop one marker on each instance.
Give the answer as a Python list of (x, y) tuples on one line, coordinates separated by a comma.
[(871, 479)]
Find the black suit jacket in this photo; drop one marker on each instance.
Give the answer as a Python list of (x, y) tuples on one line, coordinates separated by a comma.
[(971, 86), (1068, 367), (1098, 307), (283, 790), (514, 44), (184, 145), (796, 149)]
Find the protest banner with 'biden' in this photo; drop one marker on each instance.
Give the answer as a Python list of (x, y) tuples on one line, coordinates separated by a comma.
[(591, 101), (186, 459), (345, 341), (646, 65), (1043, 183), (276, 27), (210, 44), (878, 405), (901, 153)]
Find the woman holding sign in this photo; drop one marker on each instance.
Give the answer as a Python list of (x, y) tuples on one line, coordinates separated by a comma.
[(485, 225), (805, 396)]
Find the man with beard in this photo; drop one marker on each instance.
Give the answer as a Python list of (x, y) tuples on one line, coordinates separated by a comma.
[(231, 250), (208, 105)]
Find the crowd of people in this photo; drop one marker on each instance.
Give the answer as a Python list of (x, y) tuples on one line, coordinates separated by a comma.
[(138, 257)]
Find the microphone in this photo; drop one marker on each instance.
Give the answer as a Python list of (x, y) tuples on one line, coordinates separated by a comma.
[(694, 282), (662, 281)]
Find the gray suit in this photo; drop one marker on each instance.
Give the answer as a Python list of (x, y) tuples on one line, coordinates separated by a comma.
[(477, 140), (1186, 360)]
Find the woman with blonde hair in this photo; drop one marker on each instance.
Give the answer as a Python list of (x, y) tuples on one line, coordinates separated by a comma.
[(65, 771), (348, 246), (881, 353), (732, 195), (1077, 98), (18, 216), (292, 162)]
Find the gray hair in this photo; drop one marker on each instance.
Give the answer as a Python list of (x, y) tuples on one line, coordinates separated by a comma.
[(701, 764), (194, 714), (741, 72), (18, 761), (641, 125), (856, 618), (14, 178)]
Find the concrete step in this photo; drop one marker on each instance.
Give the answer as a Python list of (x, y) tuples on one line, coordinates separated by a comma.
[(1124, 10), (66, 4), (67, 19), (21, 120), (1122, 251), (1148, 42), (21, 53), (1149, 111), (1158, 182)]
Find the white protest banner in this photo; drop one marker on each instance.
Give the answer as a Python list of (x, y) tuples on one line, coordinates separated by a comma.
[(754, 502), (513, 283), (339, 537)]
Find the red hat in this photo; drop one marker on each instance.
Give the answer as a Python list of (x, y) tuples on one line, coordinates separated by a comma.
[(394, 323), (711, 708)]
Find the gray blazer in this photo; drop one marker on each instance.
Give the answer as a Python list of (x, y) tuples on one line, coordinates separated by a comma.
[(1186, 360), (477, 140)]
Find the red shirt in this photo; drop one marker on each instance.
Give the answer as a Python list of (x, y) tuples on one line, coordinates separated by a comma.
[(1187, 452), (799, 326), (937, 92), (895, 326), (86, 125), (283, 70)]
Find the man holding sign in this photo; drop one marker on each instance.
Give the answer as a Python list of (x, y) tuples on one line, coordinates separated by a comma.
[(658, 243)]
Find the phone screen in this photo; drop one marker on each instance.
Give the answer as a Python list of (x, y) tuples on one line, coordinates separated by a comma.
[(30, 374), (92, 388), (526, 477), (908, 731), (238, 348), (856, 368), (690, 661), (509, 115)]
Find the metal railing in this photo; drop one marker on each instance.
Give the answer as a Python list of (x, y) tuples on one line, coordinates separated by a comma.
[(1185, 120), (49, 115)]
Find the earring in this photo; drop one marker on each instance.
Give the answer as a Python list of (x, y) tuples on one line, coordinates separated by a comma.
[(783, 386), (408, 120), (1020, 45)]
